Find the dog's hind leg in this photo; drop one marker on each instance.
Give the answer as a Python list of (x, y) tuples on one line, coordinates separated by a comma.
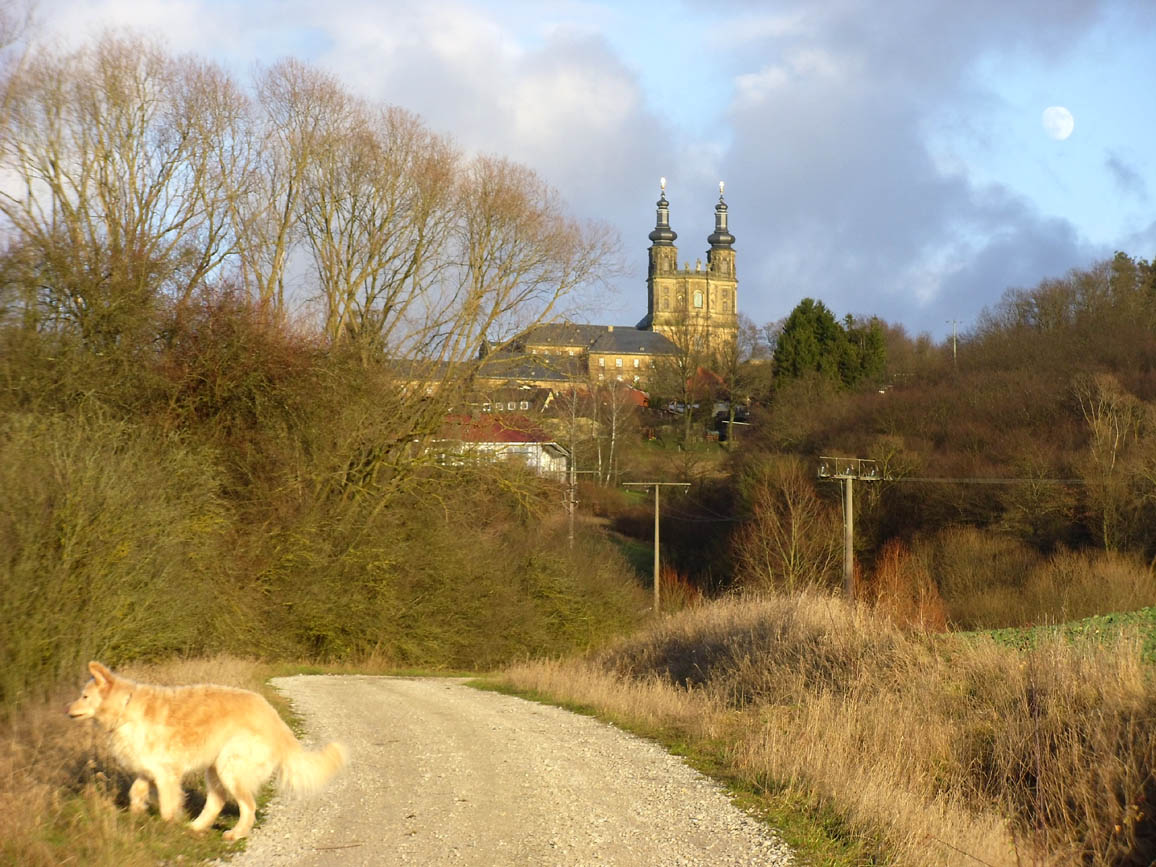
[(138, 795), (243, 766), (247, 804), (214, 801)]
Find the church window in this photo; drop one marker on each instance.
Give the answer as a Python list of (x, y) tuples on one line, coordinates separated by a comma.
[(697, 298)]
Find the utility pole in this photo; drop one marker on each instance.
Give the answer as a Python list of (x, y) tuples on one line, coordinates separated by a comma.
[(954, 360), (572, 498), (657, 487), (847, 470)]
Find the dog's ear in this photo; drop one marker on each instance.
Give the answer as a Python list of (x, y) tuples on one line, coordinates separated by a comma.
[(99, 673)]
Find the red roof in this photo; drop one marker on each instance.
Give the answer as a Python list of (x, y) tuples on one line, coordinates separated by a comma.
[(494, 429)]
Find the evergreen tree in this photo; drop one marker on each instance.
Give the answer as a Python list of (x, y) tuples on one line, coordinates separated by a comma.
[(813, 341)]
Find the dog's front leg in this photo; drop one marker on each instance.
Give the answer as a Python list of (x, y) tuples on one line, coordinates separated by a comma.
[(170, 795), (138, 795)]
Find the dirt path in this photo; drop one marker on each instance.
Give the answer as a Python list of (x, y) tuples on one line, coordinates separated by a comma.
[(444, 774)]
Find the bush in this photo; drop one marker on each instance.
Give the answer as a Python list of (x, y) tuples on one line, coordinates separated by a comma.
[(112, 537), (988, 580)]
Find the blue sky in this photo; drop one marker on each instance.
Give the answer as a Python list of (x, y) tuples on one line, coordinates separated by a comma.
[(887, 157)]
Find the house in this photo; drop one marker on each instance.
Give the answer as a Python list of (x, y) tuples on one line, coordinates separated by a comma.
[(509, 438)]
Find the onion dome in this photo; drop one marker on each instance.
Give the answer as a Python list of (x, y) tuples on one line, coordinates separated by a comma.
[(663, 235), (720, 238)]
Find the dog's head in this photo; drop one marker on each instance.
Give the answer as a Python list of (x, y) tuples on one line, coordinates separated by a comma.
[(94, 694)]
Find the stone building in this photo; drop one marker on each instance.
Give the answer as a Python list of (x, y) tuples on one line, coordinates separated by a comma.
[(692, 305), (688, 309)]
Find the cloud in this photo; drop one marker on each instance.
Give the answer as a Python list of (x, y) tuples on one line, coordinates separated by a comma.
[(816, 114), (1128, 180), (852, 205)]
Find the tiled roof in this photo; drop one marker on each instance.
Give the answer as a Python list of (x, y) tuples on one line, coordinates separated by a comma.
[(627, 341), (621, 339), (562, 334), (528, 368), (494, 429)]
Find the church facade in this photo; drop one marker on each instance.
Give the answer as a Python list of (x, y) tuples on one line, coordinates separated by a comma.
[(689, 309)]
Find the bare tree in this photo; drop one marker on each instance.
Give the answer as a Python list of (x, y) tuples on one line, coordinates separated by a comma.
[(685, 374), (377, 212), (731, 360), (792, 539), (115, 163), (616, 412), (1115, 422)]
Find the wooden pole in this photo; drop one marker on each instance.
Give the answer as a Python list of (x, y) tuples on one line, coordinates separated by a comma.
[(656, 526), (849, 538)]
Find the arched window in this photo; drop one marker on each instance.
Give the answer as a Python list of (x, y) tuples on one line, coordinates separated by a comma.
[(698, 298)]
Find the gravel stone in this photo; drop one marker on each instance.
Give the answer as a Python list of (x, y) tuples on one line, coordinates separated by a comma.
[(441, 773)]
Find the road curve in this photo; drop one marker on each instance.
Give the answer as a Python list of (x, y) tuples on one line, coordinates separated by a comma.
[(444, 774)]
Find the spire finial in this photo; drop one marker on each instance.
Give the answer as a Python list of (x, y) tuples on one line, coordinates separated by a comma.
[(662, 235), (721, 238)]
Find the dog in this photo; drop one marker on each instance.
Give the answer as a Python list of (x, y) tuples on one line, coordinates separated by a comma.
[(161, 733)]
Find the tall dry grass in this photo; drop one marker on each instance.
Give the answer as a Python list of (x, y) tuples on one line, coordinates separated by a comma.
[(989, 581), (949, 750)]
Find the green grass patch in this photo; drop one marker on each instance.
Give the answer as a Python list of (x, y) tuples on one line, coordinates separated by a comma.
[(1099, 629)]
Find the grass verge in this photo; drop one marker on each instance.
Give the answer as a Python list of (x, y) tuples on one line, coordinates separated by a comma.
[(815, 832), (891, 746), (63, 801)]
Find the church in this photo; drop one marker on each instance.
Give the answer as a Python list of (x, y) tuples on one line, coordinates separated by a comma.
[(689, 309)]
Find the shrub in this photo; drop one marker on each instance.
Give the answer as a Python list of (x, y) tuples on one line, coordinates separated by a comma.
[(111, 535), (901, 589)]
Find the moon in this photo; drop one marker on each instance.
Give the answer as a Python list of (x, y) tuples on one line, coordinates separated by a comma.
[(1058, 122)]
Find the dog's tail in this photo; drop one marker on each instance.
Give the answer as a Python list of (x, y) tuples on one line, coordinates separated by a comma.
[(304, 772)]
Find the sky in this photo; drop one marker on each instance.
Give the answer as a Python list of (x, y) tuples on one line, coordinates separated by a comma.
[(887, 157)]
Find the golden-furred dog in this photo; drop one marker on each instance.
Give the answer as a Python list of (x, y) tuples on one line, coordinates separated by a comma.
[(162, 733)]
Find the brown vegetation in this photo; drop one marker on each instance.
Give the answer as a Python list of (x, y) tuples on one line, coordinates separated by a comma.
[(942, 750)]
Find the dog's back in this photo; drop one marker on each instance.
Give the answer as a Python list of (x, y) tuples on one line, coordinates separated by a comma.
[(234, 735)]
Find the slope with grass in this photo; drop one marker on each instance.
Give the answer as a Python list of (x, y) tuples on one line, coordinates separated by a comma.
[(899, 747)]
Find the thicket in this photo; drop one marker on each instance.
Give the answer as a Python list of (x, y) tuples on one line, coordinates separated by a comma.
[(232, 322), (1020, 463)]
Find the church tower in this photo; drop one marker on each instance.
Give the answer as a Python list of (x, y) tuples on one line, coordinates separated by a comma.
[(692, 306)]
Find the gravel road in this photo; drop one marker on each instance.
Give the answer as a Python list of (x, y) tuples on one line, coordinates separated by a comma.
[(441, 773)]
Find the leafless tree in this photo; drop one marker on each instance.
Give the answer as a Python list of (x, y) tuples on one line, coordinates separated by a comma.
[(792, 539), (115, 190), (685, 374), (1115, 422)]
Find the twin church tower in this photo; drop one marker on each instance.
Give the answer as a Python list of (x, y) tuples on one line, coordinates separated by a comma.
[(699, 303), (687, 310)]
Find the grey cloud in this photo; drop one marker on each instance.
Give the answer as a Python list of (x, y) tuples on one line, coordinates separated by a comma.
[(1128, 180), (851, 205)]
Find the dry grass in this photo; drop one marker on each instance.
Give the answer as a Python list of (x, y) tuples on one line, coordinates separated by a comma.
[(948, 750), (988, 581), (62, 800)]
